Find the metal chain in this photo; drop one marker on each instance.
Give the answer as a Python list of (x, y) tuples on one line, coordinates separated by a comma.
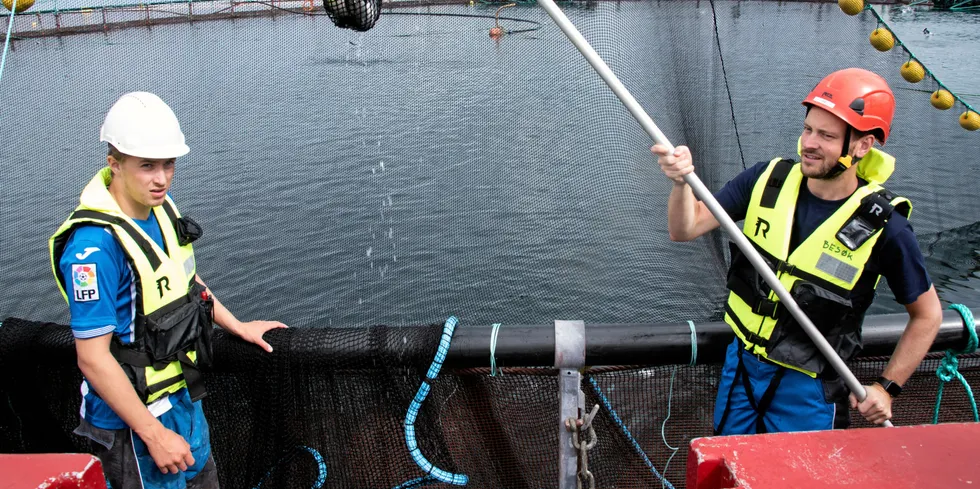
[(577, 427)]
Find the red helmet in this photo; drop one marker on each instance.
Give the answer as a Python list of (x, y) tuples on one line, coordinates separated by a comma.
[(859, 97)]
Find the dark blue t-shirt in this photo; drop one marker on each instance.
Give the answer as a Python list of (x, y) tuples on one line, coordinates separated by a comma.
[(896, 256)]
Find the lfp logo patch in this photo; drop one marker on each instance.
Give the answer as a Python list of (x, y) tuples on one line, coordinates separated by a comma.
[(86, 283)]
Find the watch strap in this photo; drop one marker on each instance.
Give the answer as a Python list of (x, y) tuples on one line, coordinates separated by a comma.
[(890, 386)]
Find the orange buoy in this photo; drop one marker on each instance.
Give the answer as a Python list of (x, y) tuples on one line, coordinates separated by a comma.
[(496, 32)]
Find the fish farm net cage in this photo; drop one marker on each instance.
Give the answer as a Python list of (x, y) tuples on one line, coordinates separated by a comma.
[(362, 169)]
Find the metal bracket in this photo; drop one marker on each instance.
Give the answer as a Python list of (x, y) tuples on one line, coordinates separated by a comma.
[(569, 360)]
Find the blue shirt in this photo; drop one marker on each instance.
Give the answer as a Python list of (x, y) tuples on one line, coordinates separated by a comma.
[(100, 289), (895, 256)]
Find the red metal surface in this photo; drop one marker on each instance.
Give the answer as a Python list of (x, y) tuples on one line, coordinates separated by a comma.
[(923, 457), (51, 471)]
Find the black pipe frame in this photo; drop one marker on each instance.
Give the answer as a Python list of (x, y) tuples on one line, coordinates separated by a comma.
[(660, 343)]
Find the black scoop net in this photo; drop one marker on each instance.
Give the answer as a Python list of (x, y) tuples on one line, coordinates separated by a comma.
[(358, 15)]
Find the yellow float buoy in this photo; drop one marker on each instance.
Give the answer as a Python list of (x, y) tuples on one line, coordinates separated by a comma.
[(851, 7), (941, 99), (970, 120), (912, 71), (22, 5), (882, 39)]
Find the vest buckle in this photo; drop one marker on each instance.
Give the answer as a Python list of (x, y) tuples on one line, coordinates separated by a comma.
[(766, 307)]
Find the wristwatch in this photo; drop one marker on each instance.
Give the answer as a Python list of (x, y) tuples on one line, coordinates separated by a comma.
[(890, 387)]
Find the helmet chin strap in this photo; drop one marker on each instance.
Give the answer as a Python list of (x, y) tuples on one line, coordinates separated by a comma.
[(846, 160)]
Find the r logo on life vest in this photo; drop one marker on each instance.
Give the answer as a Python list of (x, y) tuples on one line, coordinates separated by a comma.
[(163, 283), (758, 226), (876, 209)]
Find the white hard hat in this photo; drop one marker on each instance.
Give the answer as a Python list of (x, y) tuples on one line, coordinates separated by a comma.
[(140, 124)]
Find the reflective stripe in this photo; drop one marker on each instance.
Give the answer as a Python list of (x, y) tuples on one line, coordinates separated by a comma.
[(832, 266)]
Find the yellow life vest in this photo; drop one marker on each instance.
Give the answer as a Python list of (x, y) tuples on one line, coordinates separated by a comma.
[(173, 313), (821, 273)]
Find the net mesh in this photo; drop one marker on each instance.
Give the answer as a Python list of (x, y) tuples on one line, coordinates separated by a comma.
[(344, 393), (421, 169)]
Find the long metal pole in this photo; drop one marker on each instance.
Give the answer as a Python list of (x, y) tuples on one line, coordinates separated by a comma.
[(709, 200)]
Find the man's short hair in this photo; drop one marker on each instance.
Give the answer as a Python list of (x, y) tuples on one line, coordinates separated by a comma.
[(115, 153), (855, 135)]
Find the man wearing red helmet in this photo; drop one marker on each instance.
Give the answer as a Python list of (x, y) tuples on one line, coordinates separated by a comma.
[(830, 231)]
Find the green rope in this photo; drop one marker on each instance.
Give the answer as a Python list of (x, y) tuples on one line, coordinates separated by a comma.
[(948, 367), (965, 6), (929, 73)]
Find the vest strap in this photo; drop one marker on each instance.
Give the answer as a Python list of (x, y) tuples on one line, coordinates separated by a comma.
[(760, 407), (766, 307), (731, 390), (169, 209), (195, 381), (750, 337), (765, 401), (785, 267), (188, 230), (125, 354), (868, 219), (142, 242), (777, 177), (190, 371)]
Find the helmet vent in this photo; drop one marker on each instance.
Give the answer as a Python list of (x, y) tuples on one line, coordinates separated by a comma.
[(858, 106)]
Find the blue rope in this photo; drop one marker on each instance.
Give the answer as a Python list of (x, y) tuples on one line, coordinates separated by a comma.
[(321, 477), (694, 346), (493, 349), (6, 42), (663, 427), (949, 365), (413, 412), (629, 436)]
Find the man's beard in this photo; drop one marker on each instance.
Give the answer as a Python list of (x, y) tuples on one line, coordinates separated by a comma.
[(824, 172)]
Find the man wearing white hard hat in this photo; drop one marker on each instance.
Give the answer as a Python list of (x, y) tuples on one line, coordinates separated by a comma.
[(140, 314)]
